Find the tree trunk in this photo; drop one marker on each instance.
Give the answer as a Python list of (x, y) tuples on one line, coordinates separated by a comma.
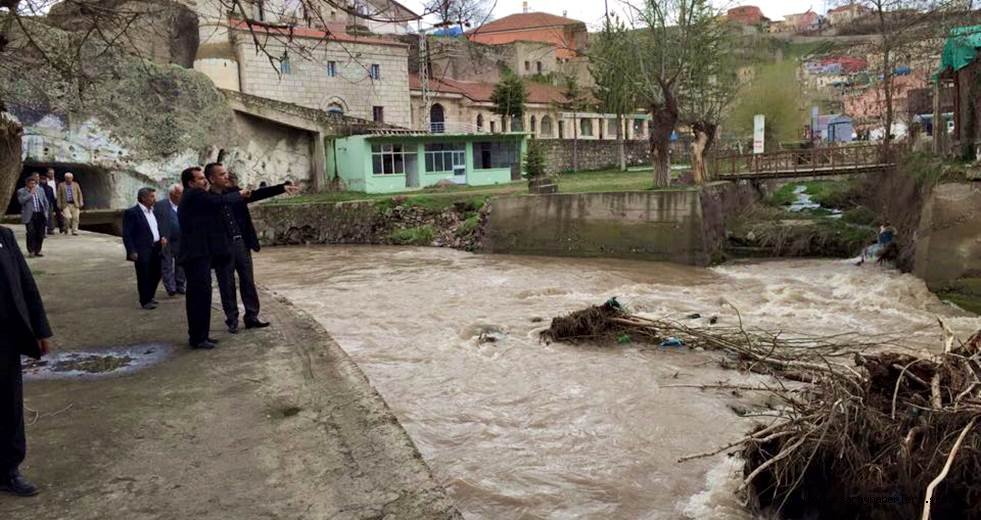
[(663, 120), (620, 143), (10, 156), (575, 143)]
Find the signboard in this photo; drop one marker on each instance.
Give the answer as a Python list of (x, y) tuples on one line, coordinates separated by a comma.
[(758, 133)]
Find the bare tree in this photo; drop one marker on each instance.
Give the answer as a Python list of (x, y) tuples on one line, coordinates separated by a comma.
[(612, 69), (674, 31)]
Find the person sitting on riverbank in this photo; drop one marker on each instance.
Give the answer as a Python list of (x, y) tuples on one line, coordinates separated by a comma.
[(884, 248)]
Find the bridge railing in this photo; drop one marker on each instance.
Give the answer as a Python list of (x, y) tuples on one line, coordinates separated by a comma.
[(799, 162)]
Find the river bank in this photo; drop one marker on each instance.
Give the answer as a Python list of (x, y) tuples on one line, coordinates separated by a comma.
[(272, 424)]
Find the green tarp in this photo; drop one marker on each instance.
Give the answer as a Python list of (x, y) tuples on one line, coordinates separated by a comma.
[(961, 48)]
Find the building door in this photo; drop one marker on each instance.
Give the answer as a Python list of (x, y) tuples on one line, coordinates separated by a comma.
[(460, 166), (437, 121)]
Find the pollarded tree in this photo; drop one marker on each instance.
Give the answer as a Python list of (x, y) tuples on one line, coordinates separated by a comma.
[(613, 70), (706, 90), (573, 100), (509, 98), (675, 31)]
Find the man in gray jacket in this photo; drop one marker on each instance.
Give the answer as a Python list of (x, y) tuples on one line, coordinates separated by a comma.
[(34, 211), (166, 212)]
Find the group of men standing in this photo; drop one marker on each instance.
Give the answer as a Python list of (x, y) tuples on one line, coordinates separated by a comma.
[(204, 225), (44, 202)]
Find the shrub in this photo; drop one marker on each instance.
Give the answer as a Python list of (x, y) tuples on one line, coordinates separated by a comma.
[(417, 236)]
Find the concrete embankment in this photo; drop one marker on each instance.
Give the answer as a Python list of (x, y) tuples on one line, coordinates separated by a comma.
[(277, 423), (948, 244), (679, 225)]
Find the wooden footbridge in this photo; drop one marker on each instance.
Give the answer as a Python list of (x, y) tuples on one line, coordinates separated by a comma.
[(812, 162)]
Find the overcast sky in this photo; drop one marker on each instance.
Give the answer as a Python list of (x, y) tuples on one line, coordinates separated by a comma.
[(591, 11)]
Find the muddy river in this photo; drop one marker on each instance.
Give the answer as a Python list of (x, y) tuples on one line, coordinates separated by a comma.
[(519, 429)]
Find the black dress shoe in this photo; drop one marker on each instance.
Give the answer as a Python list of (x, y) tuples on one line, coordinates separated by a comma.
[(16, 484), (204, 345), (213, 340), (233, 328), (257, 324), (38, 254)]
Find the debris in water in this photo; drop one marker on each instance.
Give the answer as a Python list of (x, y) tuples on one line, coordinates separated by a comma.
[(694, 316), (672, 342), (892, 436)]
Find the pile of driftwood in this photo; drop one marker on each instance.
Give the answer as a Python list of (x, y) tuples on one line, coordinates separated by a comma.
[(875, 434)]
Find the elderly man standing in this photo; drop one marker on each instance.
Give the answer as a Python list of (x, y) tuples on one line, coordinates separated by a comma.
[(25, 332), (143, 242), (170, 228), (70, 203), (33, 214), (50, 188)]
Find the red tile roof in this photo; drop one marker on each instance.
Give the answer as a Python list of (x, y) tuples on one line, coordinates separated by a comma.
[(481, 91), (524, 21), (334, 32)]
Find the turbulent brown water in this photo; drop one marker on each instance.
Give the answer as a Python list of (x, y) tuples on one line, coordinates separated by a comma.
[(519, 429)]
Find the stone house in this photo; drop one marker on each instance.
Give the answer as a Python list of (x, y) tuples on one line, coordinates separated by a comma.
[(567, 37), (465, 106)]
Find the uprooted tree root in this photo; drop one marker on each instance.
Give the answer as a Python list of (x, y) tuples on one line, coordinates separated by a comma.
[(875, 436)]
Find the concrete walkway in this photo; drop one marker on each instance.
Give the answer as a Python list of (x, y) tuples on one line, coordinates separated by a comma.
[(277, 423)]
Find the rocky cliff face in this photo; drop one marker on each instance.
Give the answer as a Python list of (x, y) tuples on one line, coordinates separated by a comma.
[(137, 121)]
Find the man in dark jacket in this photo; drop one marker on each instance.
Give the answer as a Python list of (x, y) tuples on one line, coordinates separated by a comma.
[(143, 241), (25, 331), (241, 231), (166, 210), (48, 183), (204, 243)]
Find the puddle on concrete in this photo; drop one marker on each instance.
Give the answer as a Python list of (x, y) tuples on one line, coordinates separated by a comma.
[(96, 364)]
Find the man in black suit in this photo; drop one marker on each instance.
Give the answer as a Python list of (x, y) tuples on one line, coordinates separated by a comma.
[(141, 236), (25, 331), (241, 232), (204, 244)]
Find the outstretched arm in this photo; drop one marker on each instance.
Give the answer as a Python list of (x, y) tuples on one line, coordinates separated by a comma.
[(267, 192)]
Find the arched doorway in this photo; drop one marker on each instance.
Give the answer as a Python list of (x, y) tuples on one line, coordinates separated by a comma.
[(480, 122), (546, 126), (534, 125), (517, 125), (437, 119)]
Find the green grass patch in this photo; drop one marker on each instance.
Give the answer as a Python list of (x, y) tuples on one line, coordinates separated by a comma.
[(968, 302), (417, 236), (860, 215), (469, 225)]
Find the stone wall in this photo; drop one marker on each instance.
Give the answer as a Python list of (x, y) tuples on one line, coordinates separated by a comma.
[(593, 155), (683, 226), (948, 245), (309, 85)]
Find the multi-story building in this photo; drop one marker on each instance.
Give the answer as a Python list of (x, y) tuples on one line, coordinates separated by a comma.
[(303, 60)]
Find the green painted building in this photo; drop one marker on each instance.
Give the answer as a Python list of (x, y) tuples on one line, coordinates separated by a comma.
[(390, 163)]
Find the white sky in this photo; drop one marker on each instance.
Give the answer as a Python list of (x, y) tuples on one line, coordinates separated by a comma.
[(591, 11)]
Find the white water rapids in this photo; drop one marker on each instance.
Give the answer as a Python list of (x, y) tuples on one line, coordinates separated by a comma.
[(519, 429)]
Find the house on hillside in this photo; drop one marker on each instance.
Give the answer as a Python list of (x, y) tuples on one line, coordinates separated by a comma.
[(834, 128), (803, 22), (846, 14), (747, 15), (465, 106)]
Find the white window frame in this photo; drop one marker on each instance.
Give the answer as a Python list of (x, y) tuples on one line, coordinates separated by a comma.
[(374, 71), (391, 158), (449, 157), (332, 69)]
